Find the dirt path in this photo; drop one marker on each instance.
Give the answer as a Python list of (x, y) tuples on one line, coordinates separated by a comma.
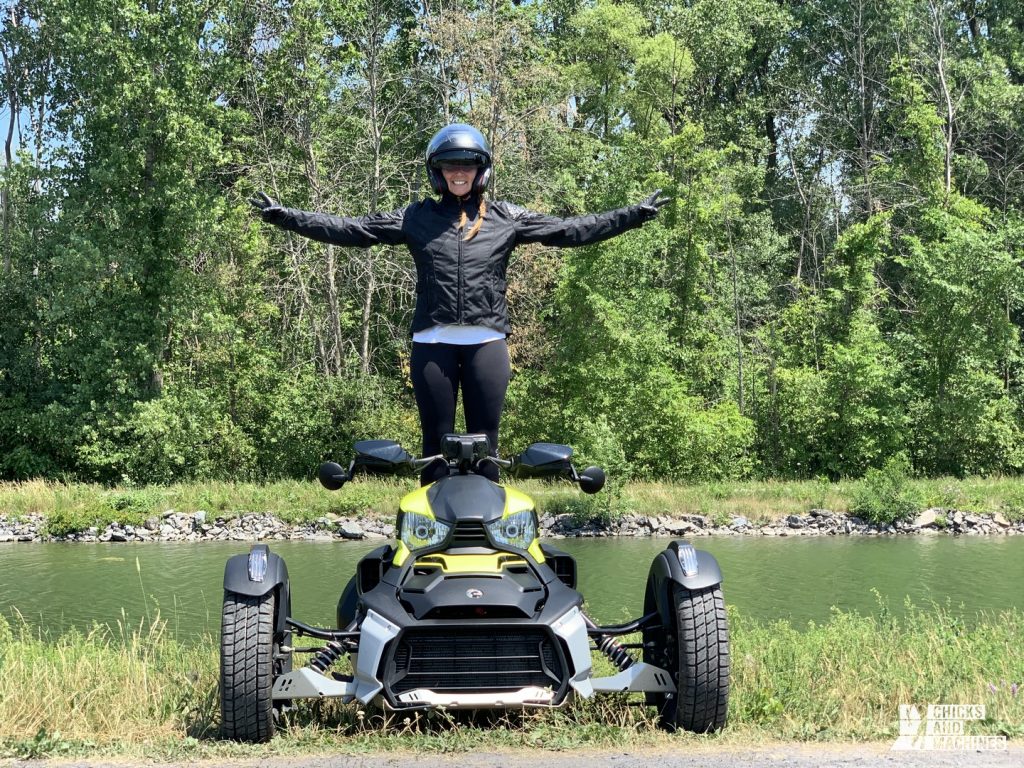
[(777, 756)]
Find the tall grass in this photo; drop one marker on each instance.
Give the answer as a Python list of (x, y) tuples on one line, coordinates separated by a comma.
[(137, 692), (104, 686), (845, 678)]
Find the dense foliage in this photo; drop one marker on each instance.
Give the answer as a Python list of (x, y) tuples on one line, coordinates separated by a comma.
[(836, 284)]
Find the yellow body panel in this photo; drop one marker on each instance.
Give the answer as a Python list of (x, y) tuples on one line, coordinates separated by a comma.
[(516, 501), (401, 552), (416, 501), (535, 551), (494, 562)]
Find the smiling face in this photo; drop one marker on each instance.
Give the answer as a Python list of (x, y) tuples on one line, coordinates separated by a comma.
[(459, 177)]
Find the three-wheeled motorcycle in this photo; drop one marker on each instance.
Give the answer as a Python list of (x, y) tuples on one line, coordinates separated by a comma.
[(468, 609)]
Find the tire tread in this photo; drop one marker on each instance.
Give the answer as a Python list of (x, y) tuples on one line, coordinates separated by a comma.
[(246, 656), (702, 699)]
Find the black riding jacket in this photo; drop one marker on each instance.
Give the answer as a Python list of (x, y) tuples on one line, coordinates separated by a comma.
[(460, 282)]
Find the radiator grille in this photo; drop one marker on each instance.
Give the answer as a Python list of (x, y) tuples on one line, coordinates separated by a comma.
[(476, 660)]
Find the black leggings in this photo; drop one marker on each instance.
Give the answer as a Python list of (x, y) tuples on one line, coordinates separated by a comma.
[(438, 370)]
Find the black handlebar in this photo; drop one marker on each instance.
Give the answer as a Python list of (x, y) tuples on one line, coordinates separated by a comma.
[(333, 476)]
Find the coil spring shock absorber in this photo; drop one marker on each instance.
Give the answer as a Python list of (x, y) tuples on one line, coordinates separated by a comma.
[(611, 648), (326, 656)]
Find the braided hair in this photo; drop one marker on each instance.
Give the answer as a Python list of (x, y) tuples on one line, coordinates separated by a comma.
[(464, 219)]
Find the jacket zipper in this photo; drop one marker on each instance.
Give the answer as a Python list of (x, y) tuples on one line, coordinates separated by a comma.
[(461, 320)]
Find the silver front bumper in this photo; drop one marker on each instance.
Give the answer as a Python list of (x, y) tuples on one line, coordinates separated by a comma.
[(376, 632)]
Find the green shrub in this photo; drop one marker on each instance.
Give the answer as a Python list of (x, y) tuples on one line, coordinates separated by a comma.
[(62, 523), (1013, 507), (603, 508), (886, 495)]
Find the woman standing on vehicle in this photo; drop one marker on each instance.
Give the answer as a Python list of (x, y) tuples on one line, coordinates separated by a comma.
[(461, 245)]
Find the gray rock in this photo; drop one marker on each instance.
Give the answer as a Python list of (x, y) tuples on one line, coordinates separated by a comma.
[(1001, 521), (152, 524), (679, 527), (739, 522), (199, 518), (926, 518), (350, 530)]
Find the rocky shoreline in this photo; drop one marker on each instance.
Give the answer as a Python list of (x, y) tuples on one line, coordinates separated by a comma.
[(202, 526)]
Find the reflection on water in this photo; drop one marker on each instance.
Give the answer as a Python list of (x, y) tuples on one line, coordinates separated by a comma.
[(58, 586)]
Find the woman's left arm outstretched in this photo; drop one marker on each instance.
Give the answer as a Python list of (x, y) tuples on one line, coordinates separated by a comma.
[(533, 227)]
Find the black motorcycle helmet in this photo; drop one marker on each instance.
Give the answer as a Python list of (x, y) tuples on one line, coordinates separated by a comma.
[(453, 143)]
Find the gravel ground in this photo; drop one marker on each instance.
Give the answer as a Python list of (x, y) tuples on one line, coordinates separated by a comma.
[(775, 756)]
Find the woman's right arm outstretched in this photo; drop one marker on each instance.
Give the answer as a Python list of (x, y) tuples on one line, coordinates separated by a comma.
[(360, 231)]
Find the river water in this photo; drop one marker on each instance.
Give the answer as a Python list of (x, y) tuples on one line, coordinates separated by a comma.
[(58, 586)]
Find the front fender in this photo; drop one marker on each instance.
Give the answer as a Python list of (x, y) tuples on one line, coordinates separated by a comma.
[(667, 568), (243, 580)]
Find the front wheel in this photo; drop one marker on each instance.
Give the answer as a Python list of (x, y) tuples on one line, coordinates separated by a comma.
[(247, 667), (697, 655)]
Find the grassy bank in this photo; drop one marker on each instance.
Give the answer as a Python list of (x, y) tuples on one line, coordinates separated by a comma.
[(140, 694), (78, 506)]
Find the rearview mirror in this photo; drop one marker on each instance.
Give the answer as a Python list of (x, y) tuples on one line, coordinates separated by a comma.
[(332, 476), (592, 479)]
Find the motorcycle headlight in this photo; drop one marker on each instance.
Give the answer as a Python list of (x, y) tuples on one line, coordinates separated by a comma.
[(419, 531), (517, 530)]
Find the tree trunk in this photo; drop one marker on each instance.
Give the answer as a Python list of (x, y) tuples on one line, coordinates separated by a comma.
[(5, 192)]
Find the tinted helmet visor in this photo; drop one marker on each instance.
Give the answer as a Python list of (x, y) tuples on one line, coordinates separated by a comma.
[(464, 157)]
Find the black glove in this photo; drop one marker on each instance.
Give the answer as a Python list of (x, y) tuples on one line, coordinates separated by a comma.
[(269, 210), (649, 207)]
